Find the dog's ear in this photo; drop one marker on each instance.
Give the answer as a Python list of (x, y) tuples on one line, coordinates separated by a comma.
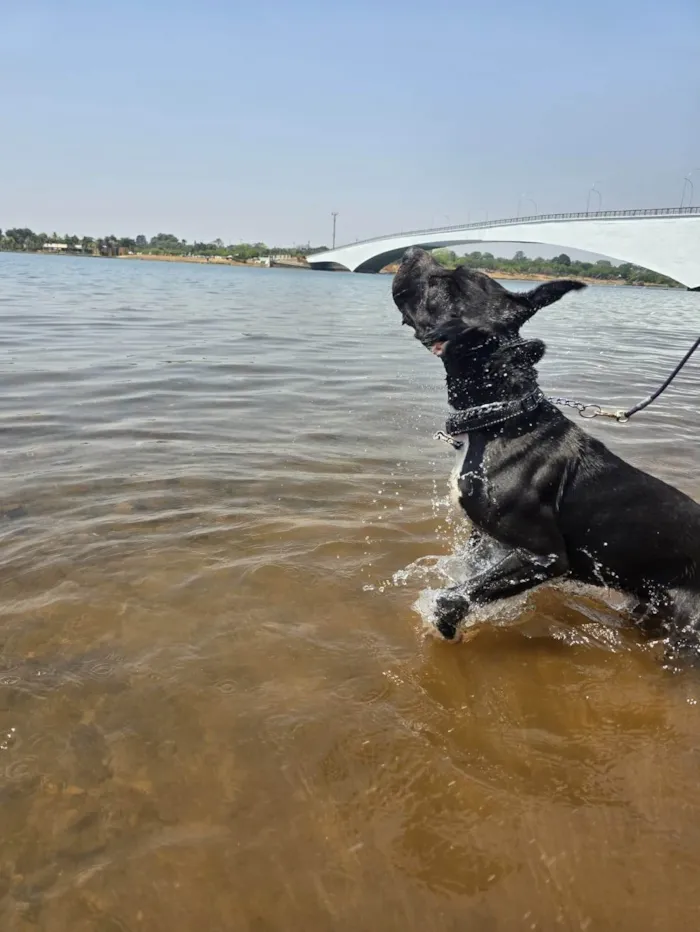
[(551, 292), (529, 302)]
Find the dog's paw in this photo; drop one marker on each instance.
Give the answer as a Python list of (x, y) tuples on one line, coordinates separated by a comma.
[(450, 609)]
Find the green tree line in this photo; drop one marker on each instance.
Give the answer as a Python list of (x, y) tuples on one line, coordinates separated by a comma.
[(163, 244), (561, 266)]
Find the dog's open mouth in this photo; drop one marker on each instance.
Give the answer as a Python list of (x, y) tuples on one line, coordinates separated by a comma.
[(439, 348)]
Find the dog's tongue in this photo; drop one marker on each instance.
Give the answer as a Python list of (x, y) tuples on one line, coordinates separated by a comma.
[(437, 348)]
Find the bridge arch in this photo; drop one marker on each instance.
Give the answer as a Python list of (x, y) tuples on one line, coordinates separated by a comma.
[(666, 241)]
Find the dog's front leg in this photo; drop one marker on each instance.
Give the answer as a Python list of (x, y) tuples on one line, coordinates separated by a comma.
[(453, 603), (519, 570)]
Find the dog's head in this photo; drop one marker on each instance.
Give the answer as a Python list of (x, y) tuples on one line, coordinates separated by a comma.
[(458, 312)]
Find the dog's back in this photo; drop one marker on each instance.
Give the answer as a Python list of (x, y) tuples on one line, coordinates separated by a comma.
[(631, 530)]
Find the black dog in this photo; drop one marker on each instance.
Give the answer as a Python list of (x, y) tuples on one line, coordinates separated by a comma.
[(546, 500)]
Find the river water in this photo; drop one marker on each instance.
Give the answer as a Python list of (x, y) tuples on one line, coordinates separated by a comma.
[(219, 503)]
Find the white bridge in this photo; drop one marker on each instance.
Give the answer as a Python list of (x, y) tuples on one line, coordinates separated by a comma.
[(662, 240)]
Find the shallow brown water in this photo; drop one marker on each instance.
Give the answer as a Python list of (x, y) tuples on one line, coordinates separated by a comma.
[(218, 710)]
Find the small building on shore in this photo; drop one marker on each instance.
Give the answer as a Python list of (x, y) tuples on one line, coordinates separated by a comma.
[(62, 247)]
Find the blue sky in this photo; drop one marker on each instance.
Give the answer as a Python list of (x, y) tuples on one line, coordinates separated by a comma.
[(254, 121)]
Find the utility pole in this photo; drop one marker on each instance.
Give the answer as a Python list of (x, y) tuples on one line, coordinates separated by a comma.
[(594, 190), (334, 214), (524, 198), (687, 183)]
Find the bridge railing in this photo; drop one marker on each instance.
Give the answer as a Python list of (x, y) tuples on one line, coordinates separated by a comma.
[(537, 218)]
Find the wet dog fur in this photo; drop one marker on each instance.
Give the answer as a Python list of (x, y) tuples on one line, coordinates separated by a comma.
[(546, 500)]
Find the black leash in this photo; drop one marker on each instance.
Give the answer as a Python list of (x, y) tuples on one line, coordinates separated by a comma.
[(664, 385), (593, 410)]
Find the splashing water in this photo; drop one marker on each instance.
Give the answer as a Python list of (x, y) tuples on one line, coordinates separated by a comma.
[(566, 611), (435, 573)]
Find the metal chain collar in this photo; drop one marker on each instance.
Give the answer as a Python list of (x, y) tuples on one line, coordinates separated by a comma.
[(587, 411)]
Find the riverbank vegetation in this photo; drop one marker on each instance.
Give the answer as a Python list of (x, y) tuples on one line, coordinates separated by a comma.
[(561, 266), (163, 244)]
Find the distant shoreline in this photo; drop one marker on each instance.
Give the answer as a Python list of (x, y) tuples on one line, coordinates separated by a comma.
[(167, 247), (542, 277), (537, 277), (391, 269), (614, 282), (198, 260), (216, 260), (387, 270)]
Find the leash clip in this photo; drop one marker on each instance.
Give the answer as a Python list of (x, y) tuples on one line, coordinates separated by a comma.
[(446, 438), (620, 416)]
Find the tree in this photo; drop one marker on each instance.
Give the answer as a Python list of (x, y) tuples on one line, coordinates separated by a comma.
[(167, 244), (141, 241), (519, 256), (22, 239), (563, 259), (108, 246), (445, 257)]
